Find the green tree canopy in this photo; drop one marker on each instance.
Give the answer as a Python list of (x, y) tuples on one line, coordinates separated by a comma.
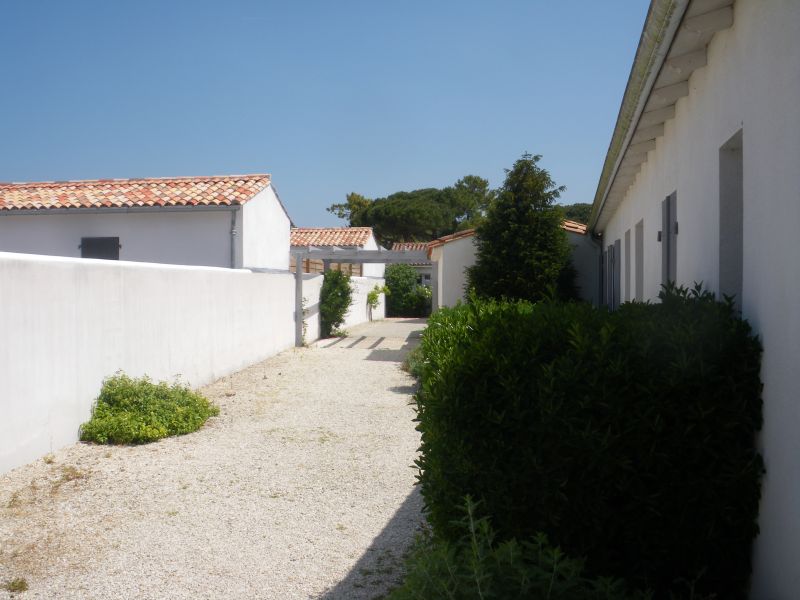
[(579, 212), (521, 248), (419, 215)]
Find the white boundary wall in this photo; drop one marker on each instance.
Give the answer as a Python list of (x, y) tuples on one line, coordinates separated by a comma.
[(66, 324)]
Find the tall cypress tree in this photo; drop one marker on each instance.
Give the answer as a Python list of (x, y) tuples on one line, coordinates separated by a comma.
[(521, 248)]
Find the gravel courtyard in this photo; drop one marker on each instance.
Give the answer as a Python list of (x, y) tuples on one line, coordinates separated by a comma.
[(303, 487)]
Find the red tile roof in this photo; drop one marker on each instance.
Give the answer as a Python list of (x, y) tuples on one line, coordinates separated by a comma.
[(451, 238), (410, 246), (331, 236), (574, 227), (224, 190)]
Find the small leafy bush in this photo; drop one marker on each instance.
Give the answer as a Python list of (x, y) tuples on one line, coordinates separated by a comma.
[(412, 363), (407, 297), (628, 436), (136, 411), (476, 566), (374, 295), (334, 301)]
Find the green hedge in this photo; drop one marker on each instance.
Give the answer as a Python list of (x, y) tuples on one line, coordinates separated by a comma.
[(407, 297), (137, 411), (334, 300), (626, 437)]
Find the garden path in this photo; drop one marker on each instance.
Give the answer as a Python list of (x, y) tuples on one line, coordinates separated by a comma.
[(303, 487)]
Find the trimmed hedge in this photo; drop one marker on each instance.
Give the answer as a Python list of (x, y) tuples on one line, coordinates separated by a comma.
[(626, 437), (137, 411)]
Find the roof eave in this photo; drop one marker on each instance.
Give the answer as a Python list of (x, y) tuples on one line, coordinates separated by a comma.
[(663, 20)]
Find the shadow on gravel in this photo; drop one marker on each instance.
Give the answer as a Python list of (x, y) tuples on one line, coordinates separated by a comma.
[(380, 568), (404, 389), (389, 355)]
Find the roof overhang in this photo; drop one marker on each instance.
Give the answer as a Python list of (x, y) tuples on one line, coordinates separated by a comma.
[(672, 46)]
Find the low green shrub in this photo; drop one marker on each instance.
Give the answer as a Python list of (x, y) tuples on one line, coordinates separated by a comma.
[(334, 300), (628, 436), (137, 411), (412, 363), (407, 297), (476, 566)]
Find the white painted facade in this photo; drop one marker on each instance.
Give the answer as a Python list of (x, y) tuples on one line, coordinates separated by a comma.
[(67, 323), (751, 84), (257, 233), (450, 262), (373, 269), (585, 259)]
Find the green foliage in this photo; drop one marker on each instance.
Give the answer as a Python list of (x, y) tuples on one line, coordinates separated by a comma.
[(627, 437), (578, 212), (374, 295), (476, 566), (521, 247), (419, 215), (137, 411), (412, 363), (407, 297), (334, 300)]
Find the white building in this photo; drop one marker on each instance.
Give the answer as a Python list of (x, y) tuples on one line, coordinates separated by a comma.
[(229, 221), (349, 238), (702, 184), (424, 269), (453, 254)]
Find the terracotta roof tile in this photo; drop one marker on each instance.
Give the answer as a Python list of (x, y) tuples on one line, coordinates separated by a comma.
[(451, 238), (331, 236), (226, 190), (411, 246), (574, 227)]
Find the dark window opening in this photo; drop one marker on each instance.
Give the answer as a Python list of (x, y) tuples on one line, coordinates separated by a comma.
[(100, 247)]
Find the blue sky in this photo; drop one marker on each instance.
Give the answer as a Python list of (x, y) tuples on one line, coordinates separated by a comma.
[(328, 97)]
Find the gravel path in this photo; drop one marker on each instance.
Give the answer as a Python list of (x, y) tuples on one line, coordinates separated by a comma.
[(301, 488)]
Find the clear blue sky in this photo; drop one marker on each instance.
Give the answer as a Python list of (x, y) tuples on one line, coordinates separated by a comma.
[(328, 97)]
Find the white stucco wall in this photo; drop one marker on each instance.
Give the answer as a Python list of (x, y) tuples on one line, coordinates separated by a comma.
[(453, 259), (66, 323), (188, 237), (265, 232), (312, 284), (752, 83), (358, 313), (585, 260), (373, 269)]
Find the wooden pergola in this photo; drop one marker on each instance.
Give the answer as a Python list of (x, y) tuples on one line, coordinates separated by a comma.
[(343, 255)]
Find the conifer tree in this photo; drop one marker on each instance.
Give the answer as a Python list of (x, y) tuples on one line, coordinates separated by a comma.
[(522, 250)]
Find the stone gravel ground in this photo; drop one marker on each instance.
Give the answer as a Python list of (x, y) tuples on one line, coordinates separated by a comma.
[(303, 487)]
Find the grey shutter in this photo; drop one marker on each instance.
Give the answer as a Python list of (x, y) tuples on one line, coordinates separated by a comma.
[(669, 232), (617, 272)]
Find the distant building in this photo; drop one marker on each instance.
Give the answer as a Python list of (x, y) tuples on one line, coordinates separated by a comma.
[(423, 269), (340, 237), (222, 221), (454, 254)]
